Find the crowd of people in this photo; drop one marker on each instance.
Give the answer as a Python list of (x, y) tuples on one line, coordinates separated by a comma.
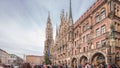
[(87, 65)]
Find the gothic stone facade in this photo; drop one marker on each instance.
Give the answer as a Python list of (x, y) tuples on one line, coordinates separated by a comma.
[(64, 39), (94, 38)]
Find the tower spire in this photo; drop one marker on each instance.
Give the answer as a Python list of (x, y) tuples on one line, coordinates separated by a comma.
[(49, 28), (49, 36), (70, 11), (48, 21), (70, 15), (56, 29)]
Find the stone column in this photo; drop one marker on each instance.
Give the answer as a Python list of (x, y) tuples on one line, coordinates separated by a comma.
[(107, 60), (89, 57), (69, 63)]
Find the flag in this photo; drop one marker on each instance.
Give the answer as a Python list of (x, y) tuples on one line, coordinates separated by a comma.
[(48, 52)]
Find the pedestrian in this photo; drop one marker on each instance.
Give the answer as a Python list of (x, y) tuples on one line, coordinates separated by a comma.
[(114, 66), (63, 65), (2, 66), (53, 66), (92, 66), (60, 66), (109, 66), (26, 65), (79, 66), (49, 66), (66, 66), (44, 66), (87, 65), (11, 66)]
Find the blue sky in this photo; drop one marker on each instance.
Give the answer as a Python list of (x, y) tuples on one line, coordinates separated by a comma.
[(23, 22)]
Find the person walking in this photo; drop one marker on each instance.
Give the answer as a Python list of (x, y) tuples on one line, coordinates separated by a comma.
[(49, 66), (79, 66), (26, 65), (87, 65), (66, 66), (114, 66), (109, 66), (2, 66), (44, 66)]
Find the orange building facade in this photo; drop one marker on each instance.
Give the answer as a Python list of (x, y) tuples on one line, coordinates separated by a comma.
[(34, 60), (96, 36)]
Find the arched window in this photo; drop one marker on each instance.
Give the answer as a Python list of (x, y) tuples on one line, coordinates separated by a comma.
[(97, 18), (103, 14)]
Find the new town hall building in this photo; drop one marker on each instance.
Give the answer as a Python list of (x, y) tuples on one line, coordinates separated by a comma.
[(93, 38)]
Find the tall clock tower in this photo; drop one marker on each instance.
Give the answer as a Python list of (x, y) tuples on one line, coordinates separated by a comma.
[(49, 37)]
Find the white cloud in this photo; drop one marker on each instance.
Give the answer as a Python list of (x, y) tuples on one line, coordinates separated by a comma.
[(14, 36), (23, 22)]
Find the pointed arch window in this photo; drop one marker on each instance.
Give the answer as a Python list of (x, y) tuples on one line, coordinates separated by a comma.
[(97, 17), (109, 4), (103, 14), (103, 42), (86, 26), (98, 32), (98, 44), (103, 29)]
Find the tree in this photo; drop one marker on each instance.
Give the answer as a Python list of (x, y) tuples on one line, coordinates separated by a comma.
[(47, 59), (0, 61)]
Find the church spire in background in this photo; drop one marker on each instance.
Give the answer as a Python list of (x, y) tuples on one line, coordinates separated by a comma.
[(56, 29), (49, 37), (70, 15), (49, 20), (70, 10), (49, 28)]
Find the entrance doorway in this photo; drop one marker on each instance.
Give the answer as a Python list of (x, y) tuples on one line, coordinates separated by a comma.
[(74, 63), (98, 58), (83, 60)]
